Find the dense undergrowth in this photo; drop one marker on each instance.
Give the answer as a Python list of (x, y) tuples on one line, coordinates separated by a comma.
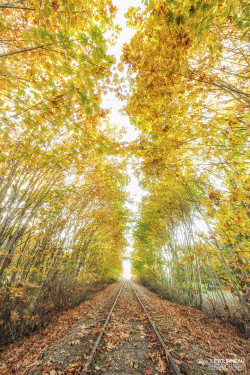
[(211, 306), (60, 295)]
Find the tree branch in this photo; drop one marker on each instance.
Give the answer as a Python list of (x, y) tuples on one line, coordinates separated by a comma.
[(20, 51)]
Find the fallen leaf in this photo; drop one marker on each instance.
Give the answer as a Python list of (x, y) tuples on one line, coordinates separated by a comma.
[(178, 362), (147, 372), (110, 346), (76, 342), (161, 367)]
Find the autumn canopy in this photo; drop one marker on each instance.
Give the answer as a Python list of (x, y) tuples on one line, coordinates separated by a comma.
[(65, 220)]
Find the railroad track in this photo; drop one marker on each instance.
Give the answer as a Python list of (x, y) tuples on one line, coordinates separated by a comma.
[(134, 303)]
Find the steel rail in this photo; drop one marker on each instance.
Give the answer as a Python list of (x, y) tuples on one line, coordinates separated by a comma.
[(85, 370), (160, 339)]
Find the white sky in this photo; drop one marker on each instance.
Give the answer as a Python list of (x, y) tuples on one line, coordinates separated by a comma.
[(110, 101)]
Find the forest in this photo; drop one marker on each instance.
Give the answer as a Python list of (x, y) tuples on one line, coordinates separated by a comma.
[(64, 168)]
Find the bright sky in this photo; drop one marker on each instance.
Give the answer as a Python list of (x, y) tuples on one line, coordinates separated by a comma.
[(110, 101)]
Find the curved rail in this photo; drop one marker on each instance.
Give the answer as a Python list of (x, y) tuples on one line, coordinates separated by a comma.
[(85, 370), (160, 339)]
